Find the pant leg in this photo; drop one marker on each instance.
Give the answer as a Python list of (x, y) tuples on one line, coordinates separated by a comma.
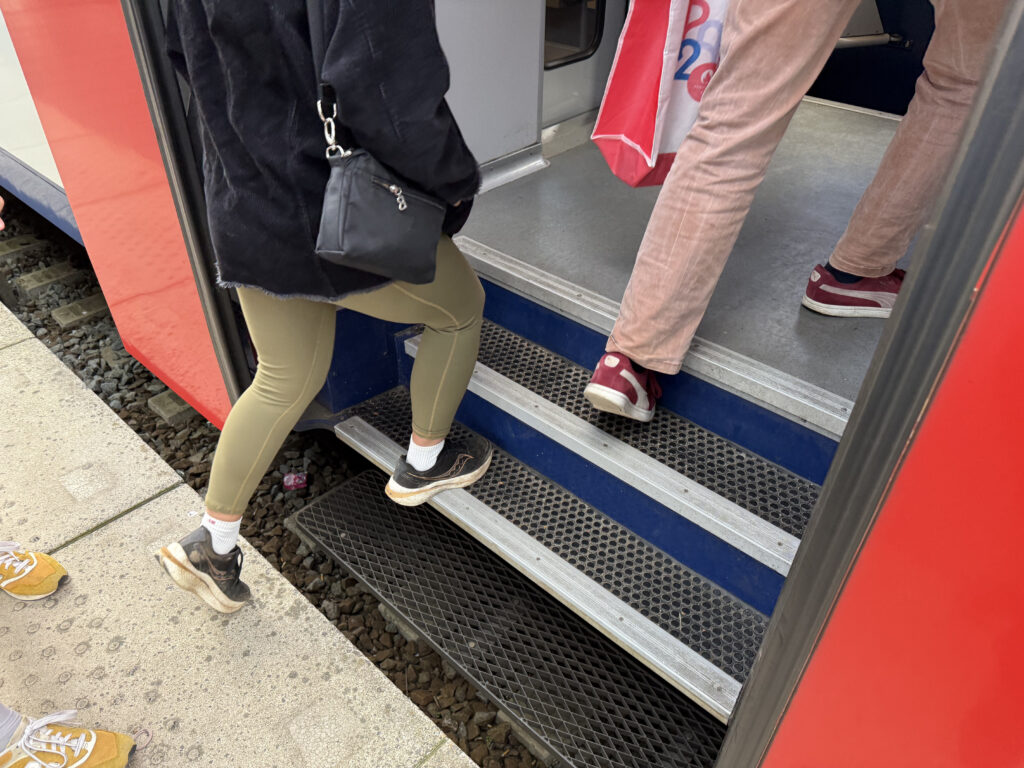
[(294, 339), (772, 52), (915, 165), (451, 308)]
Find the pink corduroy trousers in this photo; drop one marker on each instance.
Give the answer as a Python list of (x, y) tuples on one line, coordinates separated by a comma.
[(773, 51)]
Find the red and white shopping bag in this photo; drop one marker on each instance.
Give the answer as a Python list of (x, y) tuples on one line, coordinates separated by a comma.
[(667, 53)]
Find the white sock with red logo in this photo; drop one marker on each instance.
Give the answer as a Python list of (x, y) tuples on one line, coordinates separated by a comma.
[(422, 457), (223, 534)]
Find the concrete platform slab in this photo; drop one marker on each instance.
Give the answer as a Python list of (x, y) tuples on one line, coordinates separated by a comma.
[(11, 329), (67, 463), (274, 685)]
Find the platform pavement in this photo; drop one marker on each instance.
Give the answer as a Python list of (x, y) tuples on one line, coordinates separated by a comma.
[(274, 685)]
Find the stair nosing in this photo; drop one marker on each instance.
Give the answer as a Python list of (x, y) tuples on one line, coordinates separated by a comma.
[(672, 660), (764, 542)]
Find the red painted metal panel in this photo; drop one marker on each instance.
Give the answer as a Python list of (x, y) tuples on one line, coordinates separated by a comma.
[(79, 64), (923, 661)]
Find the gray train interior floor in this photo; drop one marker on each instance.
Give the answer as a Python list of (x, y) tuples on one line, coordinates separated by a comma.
[(574, 219)]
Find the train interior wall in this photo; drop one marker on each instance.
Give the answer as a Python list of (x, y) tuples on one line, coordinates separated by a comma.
[(881, 77)]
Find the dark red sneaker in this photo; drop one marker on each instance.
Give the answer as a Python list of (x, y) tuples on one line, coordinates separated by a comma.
[(868, 297), (617, 387)]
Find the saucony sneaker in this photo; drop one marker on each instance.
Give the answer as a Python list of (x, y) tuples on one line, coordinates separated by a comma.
[(51, 742), (28, 575), (617, 387), (460, 463), (195, 567), (868, 297)]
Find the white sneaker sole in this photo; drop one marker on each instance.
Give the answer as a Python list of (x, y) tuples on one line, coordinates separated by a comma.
[(185, 575), (838, 311), (30, 598), (413, 498), (612, 401)]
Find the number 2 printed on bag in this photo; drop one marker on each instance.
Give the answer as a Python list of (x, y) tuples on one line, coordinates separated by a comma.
[(698, 54), (667, 55)]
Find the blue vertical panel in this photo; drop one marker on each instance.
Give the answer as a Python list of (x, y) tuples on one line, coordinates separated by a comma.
[(366, 361)]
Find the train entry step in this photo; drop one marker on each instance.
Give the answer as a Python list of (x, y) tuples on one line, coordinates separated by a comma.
[(686, 629), (566, 684)]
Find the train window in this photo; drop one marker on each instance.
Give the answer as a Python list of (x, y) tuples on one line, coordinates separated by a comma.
[(572, 31)]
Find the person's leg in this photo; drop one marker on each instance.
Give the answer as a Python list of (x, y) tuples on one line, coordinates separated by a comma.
[(451, 309), (294, 341), (773, 50), (915, 165)]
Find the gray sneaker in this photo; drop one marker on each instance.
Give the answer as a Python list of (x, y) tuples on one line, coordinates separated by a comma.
[(195, 567), (461, 463)]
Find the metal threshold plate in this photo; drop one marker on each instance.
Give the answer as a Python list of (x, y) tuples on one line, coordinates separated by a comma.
[(779, 392)]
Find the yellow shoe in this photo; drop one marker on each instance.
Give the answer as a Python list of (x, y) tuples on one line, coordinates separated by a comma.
[(28, 575), (51, 743)]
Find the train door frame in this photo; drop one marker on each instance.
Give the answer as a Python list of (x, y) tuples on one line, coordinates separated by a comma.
[(983, 200), (175, 136)]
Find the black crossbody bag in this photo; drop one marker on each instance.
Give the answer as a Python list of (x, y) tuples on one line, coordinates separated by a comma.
[(372, 219)]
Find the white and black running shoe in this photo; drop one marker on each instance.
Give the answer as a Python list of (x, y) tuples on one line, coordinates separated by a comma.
[(195, 567), (461, 463)]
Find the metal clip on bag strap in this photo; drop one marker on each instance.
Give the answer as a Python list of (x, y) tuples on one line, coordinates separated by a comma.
[(327, 104)]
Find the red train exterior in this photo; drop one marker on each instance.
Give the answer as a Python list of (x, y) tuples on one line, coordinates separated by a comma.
[(78, 60), (921, 664)]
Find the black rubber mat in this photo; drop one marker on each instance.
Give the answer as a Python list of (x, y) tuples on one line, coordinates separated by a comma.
[(722, 629), (593, 705), (781, 497)]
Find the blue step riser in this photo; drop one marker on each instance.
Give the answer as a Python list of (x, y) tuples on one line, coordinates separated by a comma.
[(369, 358), (744, 577), (767, 434)]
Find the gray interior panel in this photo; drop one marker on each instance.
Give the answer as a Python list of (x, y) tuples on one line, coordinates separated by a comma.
[(495, 51)]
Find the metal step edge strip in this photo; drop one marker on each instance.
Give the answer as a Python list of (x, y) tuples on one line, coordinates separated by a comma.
[(790, 397), (685, 669), (750, 534)]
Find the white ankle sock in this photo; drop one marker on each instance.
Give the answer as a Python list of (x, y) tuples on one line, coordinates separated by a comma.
[(224, 535), (10, 721), (423, 457)]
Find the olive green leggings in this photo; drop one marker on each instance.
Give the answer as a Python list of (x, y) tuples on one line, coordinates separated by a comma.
[(294, 340)]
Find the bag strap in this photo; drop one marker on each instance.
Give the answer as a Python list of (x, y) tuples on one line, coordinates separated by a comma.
[(317, 38), (327, 103)]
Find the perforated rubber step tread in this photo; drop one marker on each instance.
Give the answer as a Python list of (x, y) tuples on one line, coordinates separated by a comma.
[(772, 493), (592, 704), (722, 629)]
